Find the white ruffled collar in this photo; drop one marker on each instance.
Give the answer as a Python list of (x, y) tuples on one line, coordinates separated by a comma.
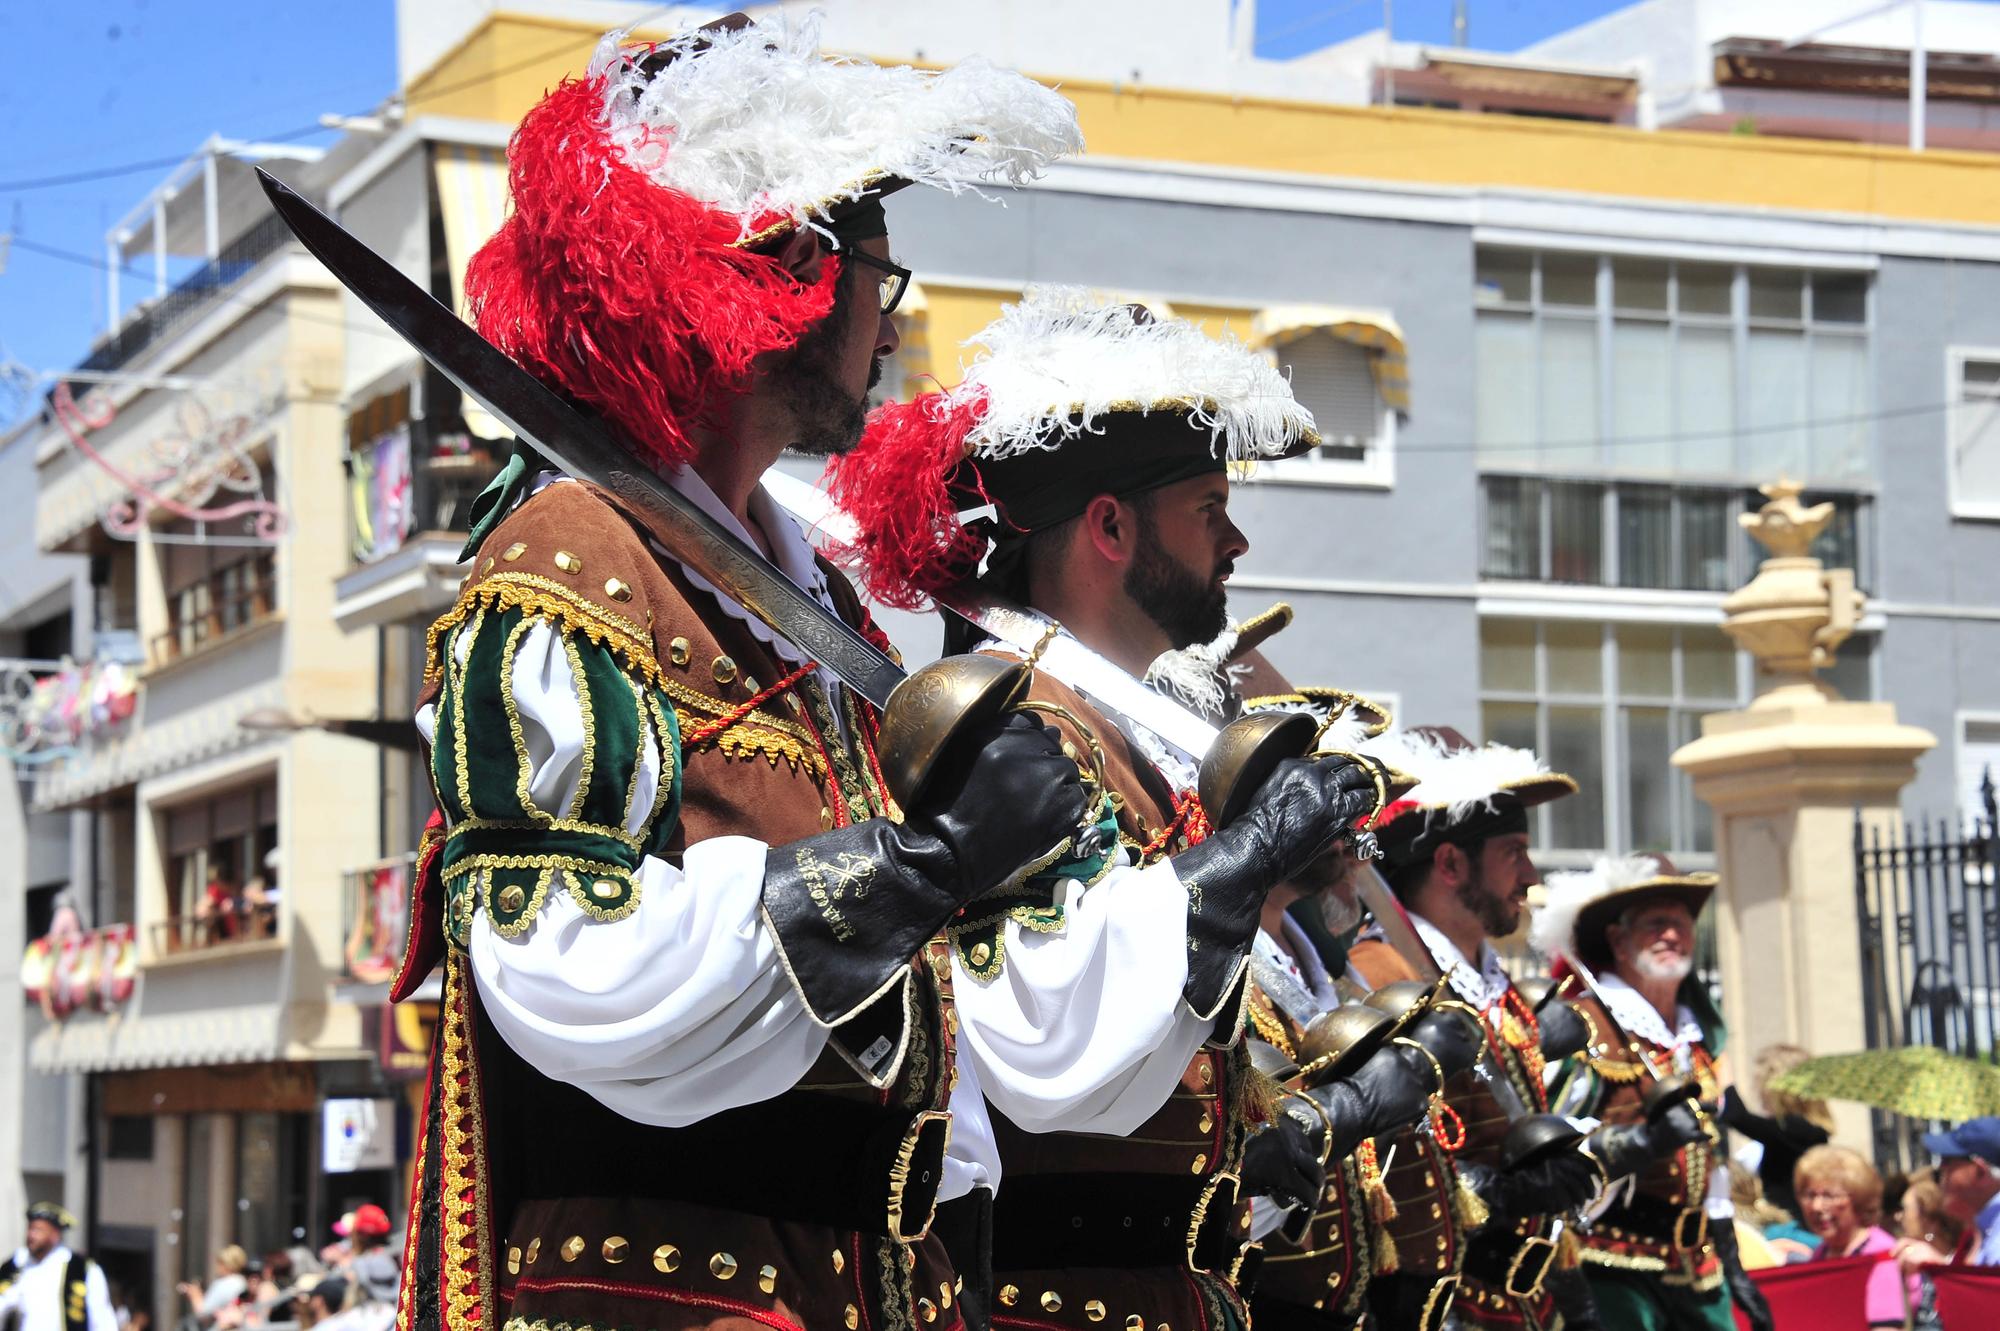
[(1482, 985), (1642, 1020)]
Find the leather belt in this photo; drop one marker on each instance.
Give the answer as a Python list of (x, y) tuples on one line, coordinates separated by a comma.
[(1510, 1263), (1682, 1228), (1047, 1222)]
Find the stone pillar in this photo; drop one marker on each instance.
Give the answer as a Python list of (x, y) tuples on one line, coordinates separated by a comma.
[(1785, 777)]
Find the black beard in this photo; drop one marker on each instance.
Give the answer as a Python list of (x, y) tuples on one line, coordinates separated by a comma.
[(1497, 917), (826, 418), (1188, 608)]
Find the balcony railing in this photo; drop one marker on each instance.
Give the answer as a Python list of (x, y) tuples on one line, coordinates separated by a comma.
[(191, 296), (402, 486), (375, 903), (236, 923)]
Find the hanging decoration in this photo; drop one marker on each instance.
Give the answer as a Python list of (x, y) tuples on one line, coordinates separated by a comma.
[(45, 714)]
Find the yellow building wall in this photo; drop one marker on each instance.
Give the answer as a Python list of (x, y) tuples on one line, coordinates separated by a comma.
[(507, 63)]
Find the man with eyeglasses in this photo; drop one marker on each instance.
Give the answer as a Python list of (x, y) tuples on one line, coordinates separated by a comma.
[(1663, 1255), (1968, 1173)]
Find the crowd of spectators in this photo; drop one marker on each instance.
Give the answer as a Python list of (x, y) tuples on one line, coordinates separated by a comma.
[(349, 1285)]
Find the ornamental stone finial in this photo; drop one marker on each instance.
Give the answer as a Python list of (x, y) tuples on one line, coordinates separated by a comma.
[(1795, 613)]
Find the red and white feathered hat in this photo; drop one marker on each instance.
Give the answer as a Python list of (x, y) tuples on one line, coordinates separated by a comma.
[(1071, 397), (633, 271), (1463, 792)]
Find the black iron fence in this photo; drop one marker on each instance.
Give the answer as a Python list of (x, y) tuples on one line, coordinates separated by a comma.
[(1929, 903)]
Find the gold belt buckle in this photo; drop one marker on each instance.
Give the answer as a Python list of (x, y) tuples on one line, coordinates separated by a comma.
[(1522, 1258), (1700, 1218), (1199, 1220), (931, 1124), (1437, 1304)]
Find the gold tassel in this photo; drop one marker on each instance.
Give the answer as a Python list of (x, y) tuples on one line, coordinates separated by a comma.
[(1381, 1206), (1569, 1250), (1469, 1207), (1387, 1261), (1260, 1096)]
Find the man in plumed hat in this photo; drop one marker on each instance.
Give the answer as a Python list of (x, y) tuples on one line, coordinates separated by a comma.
[(47, 1286), (1477, 1238), (695, 1062), (1663, 1254), (1079, 472)]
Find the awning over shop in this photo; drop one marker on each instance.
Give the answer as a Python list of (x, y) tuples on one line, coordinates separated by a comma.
[(1375, 330), (472, 202), (246, 1034)]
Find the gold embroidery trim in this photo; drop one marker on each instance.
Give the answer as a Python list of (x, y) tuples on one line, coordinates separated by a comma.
[(586, 706), (571, 865), (545, 598), (468, 1263)]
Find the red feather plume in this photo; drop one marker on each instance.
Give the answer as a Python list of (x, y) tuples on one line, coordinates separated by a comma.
[(904, 486), (628, 296)]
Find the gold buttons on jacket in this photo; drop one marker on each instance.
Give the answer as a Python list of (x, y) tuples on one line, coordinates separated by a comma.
[(851, 1318), (666, 1259), (944, 1293), (514, 551), (927, 1310), (1051, 1301), (618, 589), (1207, 1123), (677, 651), (839, 1261), (980, 954), (572, 1247), (1200, 1163), (1135, 1323), (615, 1249), (1207, 1073), (512, 898), (513, 1261), (722, 1266), (1094, 1310), (825, 819), (486, 567), (605, 889), (534, 1249), (568, 562), (767, 1279), (1009, 1295), (724, 669)]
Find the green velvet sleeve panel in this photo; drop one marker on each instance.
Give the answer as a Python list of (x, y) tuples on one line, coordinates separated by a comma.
[(504, 853)]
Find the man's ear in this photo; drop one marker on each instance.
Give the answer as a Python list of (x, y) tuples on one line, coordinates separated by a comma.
[(801, 253), (1111, 527), (1450, 864)]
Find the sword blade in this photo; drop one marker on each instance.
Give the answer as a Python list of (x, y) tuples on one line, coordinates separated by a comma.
[(582, 448)]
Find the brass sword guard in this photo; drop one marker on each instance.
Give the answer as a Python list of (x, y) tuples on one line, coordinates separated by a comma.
[(1243, 756), (937, 705)]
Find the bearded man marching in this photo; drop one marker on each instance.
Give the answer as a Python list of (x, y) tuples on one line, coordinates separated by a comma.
[(1664, 1254), (1079, 470), (695, 1058)]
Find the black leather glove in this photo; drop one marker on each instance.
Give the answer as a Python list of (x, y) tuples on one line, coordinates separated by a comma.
[(1743, 1291), (851, 906), (1545, 1186), (1297, 813), (1386, 1094), (1281, 1161), (1574, 1300), (1453, 1034), (1563, 1030), (1628, 1148)]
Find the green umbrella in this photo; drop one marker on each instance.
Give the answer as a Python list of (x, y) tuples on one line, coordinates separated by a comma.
[(1918, 1082)]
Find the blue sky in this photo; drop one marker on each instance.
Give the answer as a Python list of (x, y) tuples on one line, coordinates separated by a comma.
[(97, 85)]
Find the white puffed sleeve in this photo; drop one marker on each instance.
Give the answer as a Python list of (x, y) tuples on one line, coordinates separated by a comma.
[(679, 1009), (1084, 1029)]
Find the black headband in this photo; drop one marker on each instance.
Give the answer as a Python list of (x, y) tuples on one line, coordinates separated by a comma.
[(1126, 453), (1416, 835)]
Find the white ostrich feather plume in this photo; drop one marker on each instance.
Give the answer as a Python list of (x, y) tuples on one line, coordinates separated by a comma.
[(1196, 676), (1570, 890), (763, 123), (1460, 781), (1062, 358)]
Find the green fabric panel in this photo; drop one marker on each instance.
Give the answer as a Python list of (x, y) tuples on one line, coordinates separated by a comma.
[(444, 746), (489, 744), (614, 712), (670, 746), (1638, 1301), (590, 846)]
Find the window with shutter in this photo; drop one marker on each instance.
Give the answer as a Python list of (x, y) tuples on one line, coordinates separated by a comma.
[(1334, 381), (1975, 434)]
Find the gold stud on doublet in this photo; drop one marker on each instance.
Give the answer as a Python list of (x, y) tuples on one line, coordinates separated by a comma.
[(825, 819), (666, 1259), (606, 889), (1094, 1310), (572, 1247), (1135, 1323), (615, 1248), (981, 954), (724, 669), (839, 1261), (513, 1261), (1200, 1163), (927, 1310), (514, 551), (512, 898), (722, 1266), (767, 1279), (618, 589), (1009, 1295), (677, 651), (944, 1293), (1051, 1301), (487, 566), (851, 1318), (1207, 1073), (534, 1249), (568, 562), (1207, 1123)]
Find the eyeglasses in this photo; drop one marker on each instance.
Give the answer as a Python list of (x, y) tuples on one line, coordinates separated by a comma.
[(895, 278)]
